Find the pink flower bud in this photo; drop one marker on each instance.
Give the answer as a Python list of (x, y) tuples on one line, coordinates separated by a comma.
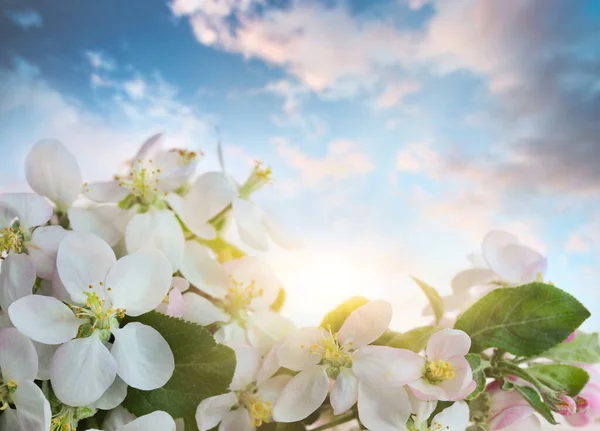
[(582, 404), (566, 406)]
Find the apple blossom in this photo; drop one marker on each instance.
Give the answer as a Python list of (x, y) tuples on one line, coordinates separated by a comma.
[(588, 401), (103, 290), (346, 358), (447, 375), (155, 421), (509, 410)]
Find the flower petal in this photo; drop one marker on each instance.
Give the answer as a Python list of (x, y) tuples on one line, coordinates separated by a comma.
[(344, 392), (33, 409), (45, 353), (210, 194), (155, 421), (176, 305), (82, 370), (232, 335), (44, 319), (139, 281), (383, 409), (9, 420), (31, 209), (180, 284), (105, 191), (270, 390), (249, 224), (144, 358), (303, 395), (17, 278), (43, 248), (422, 410), (158, 230), (106, 221), (202, 311), (270, 364), (116, 418), (83, 260), (296, 353), (113, 396), (447, 343), (52, 171), (211, 410), (279, 234), (246, 368), (366, 324), (465, 280), (237, 420), (453, 418), (203, 271), (378, 366), (530, 423), (18, 358)]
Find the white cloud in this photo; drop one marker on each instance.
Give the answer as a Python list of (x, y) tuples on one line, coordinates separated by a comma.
[(100, 61), (576, 243), (395, 92), (135, 88), (419, 157), (343, 160), (25, 18)]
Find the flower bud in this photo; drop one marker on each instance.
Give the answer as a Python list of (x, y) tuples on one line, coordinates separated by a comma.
[(566, 406), (582, 404)]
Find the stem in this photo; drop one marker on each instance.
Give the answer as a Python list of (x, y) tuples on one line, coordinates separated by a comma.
[(342, 419)]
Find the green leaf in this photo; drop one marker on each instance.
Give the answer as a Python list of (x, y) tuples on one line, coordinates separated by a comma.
[(561, 377), (478, 367), (203, 369), (534, 400), (434, 298), (336, 318), (584, 349), (525, 320), (415, 339)]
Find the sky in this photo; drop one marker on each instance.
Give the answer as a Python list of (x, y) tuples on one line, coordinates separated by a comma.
[(399, 131)]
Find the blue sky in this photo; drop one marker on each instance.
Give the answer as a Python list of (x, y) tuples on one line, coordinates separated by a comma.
[(399, 131)]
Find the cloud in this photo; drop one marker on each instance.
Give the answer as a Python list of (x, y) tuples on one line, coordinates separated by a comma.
[(100, 61), (419, 157), (395, 92), (576, 243), (342, 161), (25, 18)]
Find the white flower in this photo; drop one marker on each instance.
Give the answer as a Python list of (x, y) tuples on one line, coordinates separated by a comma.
[(155, 421), (249, 404), (447, 375), (103, 290), (18, 369), (346, 358)]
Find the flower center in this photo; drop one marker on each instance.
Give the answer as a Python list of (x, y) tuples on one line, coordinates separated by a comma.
[(142, 183), (11, 239), (68, 417), (6, 390), (240, 296), (260, 411), (332, 354), (98, 313), (438, 371), (185, 157), (259, 177)]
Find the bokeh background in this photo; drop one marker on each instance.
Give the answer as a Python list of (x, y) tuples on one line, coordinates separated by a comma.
[(399, 131)]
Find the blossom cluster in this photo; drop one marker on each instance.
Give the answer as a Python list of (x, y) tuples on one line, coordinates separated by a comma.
[(123, 306)]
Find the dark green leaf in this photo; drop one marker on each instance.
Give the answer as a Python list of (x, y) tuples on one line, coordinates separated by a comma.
[(584, 349), (534, 400), (415, 339), (561, 377), (336, 318), (203, 369), (477, 367), (525, 320), (434, 298)]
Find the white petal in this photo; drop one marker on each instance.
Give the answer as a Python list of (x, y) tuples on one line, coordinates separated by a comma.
[(105, 192), (157, 230), (9, 420), (465, 280), (202, 311), (180, 283), (139, 282), (45, 353), (210, 194), (116, 418), (18, 358), (232, 335), (155, 421), (83, 260), (252, 269), (203, 271), (31, 209), (265, 328), (447, 343), (44, 319), (211, 410), (303, 395), (33, 409), (113, 396), (270, 364), (175, 170), (52, 171), (453, 418), (43, 248), (344, 392), (246, 368), (295, 353), (82, 370), (7, 216), (279, 234), (382, 366), (236, 420), (270, 390), (421, 409), (383, 409), (521, 264), (102, 220), (250, 225), (365, 324), (144, 358), (17, 278), (150, 148)]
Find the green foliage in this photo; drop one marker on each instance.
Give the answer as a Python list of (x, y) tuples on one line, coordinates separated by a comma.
[(584, 349), (478, 367), (203, 369), (561, 377), (525, 320), (434, 298), (415, 339), (336, 318), (534, 400)]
